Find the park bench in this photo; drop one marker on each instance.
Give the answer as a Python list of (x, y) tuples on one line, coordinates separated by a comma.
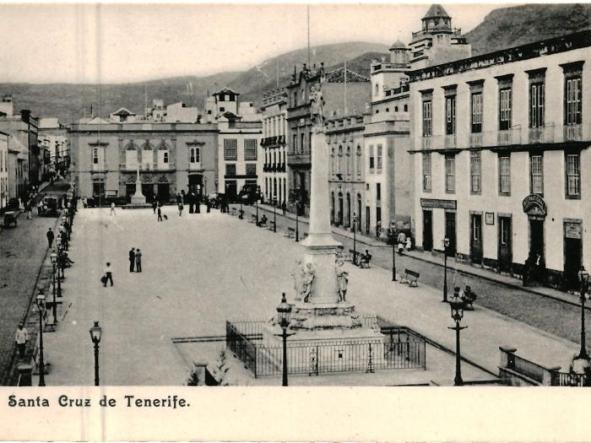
[(468, 297), (411, 278), (363, 260)]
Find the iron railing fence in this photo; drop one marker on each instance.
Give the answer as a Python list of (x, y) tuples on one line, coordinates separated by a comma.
[(401, 348)]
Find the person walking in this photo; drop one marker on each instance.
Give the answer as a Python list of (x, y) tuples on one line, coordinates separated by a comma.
[(159, 213), (131, 259), (180, 209), (138, 260), (108, 277), (112, 208), (28, 210), (154, 205), (21, 338), (283, 208), (50, 236)]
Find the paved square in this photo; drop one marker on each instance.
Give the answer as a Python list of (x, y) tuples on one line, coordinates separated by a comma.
[(200, 270)]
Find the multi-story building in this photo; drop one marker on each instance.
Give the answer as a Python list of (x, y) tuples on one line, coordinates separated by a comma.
[(238, 146), (500, 143), (18, 173), (389, 167), (344, 92), (4, 192), (273, 181), (437, 42), (170, 156), (53, 137), (346, 170)]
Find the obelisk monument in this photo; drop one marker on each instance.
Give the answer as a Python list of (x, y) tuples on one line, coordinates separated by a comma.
[(138, 198)]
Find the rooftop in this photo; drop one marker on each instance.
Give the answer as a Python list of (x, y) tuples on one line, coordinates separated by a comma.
[(436, 11)]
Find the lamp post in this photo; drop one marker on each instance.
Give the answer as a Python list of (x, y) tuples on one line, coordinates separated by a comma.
[(95, 335), (457, 312), (256, 202), (445, 248), (284, 314), (354, 238), (274, 214), (393, 234), (41, 309), (297, 233), (584, 281), (53, 257)]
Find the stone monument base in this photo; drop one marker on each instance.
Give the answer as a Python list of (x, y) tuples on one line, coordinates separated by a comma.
[(138, 199)]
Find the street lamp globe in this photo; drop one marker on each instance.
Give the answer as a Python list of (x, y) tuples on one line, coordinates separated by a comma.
[(96, 333), (40, 301), (457, 305), (284, 311), (446, 243), (53, 257), (583, 276)]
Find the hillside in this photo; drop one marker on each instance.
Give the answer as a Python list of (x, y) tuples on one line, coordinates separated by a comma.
[(69, 102), (519, 25)]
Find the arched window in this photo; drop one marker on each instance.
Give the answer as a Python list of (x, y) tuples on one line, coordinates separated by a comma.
[(349, 160), (358, 162), (192, 155), (332, 161), (339, 160), (165, 157)]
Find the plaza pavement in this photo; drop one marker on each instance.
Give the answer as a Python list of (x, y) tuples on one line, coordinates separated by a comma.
[(202, 269)]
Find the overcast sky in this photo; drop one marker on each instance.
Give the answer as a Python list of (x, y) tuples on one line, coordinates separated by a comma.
[(110, 43)]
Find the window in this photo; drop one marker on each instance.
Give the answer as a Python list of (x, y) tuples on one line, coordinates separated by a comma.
[(573, 101), (427, 172), (165, 157), (536, 105), (450, 174), (371, 159), (475, 172), (294, 147), (98, 189), (95, 156), (405, 108), (536, 173), (332, 161), (358, 163), (427, 118), (450, 115), (251, 169), (231, 169), (349, 160), (195, 155), (476, 102), (250, 149), (230, 149), (339, 160), (573, 176), (378, 191), (504, 175), (505, 109), (302, 142), (476, 228), (379, 158)]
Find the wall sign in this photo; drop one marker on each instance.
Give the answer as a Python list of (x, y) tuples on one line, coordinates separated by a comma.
[(438, 203), (489, 218), (572, 230)]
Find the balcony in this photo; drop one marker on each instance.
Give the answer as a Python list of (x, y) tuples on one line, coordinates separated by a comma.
[(299, 159), (456, 32), (509, 137)]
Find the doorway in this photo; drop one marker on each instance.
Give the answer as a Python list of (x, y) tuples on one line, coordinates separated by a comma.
[(505, 247), (573, 255), (476, 238), (367, 220), (427, 230), (195, 183), (450, 232), (536, 238), (340, 213)]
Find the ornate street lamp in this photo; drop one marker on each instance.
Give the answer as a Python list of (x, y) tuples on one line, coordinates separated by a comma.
[(41, 308), (354, 238), (581, 365), (95, 335), (457, 312), (53, 257), (445, 249), (284, 314)]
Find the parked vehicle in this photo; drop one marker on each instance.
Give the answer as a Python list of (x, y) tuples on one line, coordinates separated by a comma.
[(10, 218), (49, 206)]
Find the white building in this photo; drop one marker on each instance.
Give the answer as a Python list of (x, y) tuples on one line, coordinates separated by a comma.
[(4, 187), (501, 153), (273, 180)]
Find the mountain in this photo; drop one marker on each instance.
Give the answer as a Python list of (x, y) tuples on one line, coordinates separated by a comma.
[(518, 25), (69, 102)]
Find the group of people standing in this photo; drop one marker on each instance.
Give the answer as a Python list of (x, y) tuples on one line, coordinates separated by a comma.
[(135, 260)]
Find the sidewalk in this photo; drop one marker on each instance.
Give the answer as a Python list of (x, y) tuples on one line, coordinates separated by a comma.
[(452, 264)]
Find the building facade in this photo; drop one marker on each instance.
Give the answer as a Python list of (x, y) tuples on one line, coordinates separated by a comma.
[(171, 157), (53, 138), (274, 175), (344, 93), (501, 142), (4, 187), (239, 163), (346, 170)]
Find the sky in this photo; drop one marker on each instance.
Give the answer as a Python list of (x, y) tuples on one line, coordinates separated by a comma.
[(118, 43)]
